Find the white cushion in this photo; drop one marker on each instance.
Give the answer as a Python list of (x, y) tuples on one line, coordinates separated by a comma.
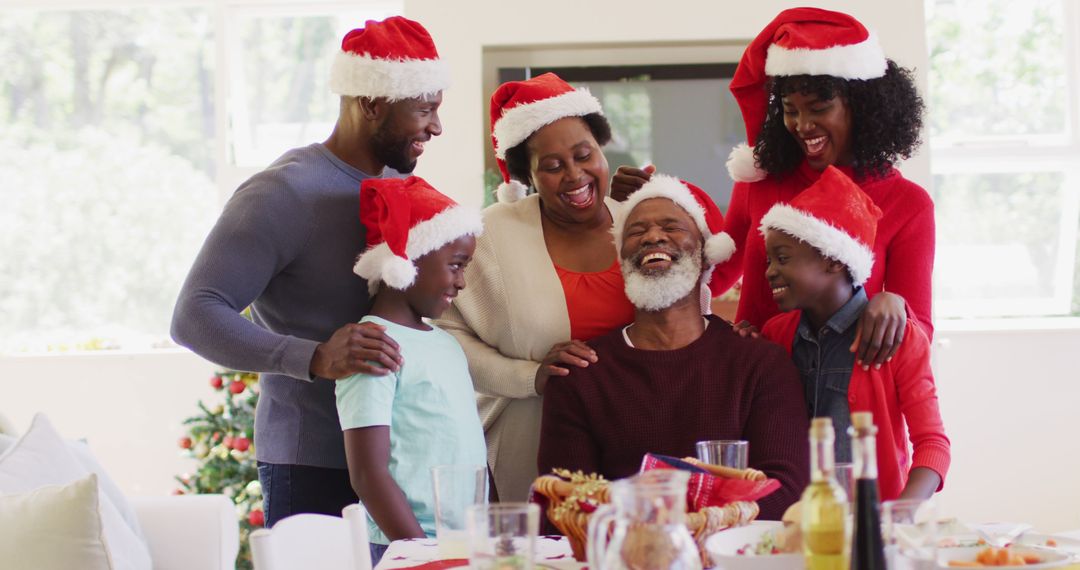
[(81, 450), (54, 526), (40, 457)]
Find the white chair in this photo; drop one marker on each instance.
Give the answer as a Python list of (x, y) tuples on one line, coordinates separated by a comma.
[(307, 541), (189, 532)]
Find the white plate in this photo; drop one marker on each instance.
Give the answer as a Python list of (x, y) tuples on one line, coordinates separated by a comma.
[(1051, 558), (723, 545), (1070, 546)]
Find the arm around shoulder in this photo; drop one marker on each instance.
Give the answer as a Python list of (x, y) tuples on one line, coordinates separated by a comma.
[(251, 241), (476, 319), (917, 394)]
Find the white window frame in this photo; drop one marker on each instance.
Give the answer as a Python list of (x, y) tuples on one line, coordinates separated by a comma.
[(1020, 154)]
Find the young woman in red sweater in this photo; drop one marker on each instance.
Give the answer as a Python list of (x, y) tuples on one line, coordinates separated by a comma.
[(815, 89)]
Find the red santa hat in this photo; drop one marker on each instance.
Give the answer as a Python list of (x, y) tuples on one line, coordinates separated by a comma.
[(834, 216), (706, 215), (520, 108), (394, 58), (799, 41), (406, 219)]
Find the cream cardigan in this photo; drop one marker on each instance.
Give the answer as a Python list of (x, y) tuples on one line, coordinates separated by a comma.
[(510, 314)]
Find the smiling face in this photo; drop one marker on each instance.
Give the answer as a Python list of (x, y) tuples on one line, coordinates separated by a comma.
[(399, 140), (568, 170), (661, 254), (800, 277), (821, 127), (439, 276)]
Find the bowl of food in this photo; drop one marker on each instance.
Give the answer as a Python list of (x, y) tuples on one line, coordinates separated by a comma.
[(761, 545)]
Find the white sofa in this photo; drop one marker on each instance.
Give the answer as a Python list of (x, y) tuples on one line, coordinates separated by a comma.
[(189, 532), (182, 532)]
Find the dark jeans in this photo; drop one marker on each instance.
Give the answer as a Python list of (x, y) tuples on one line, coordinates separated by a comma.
[(295, 489)]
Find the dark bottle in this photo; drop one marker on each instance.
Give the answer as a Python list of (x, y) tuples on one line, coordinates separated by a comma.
[(867, 548)]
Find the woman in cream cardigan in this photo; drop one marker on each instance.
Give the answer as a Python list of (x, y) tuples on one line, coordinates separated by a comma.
[(545, 276)]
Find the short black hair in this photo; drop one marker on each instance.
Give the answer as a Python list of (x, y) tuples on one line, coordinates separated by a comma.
[(517, 157), (886, 119)]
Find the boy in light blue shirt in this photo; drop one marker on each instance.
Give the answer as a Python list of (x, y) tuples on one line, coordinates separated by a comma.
[(398, 426)]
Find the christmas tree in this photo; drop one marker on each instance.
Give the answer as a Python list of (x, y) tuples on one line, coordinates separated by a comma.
[(220, 439)]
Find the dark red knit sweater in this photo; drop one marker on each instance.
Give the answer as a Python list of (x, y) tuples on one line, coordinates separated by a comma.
[(605, 418)]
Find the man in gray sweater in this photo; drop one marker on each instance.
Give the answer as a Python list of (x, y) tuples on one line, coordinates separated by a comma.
[(285, 245)]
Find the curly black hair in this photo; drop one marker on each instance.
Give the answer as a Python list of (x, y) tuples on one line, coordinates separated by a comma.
[(517, 157), (887, 117)]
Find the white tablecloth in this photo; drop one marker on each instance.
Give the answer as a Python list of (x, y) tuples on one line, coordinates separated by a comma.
[(551, 551)]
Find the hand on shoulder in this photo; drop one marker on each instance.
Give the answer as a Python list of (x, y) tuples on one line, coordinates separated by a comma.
[(356, 348)]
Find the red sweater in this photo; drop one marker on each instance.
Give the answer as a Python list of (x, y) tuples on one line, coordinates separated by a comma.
[(605, 418), (903, 250), (903, 389)]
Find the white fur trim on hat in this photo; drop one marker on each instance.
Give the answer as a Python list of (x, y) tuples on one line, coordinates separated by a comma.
[(379, 264), (512, 191), (517, 123), (717, 248), (360, 75), (864, 60), (831, 241), (742, 166)]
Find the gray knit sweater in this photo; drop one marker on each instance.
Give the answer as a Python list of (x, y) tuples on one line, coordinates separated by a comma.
[(285, 245)]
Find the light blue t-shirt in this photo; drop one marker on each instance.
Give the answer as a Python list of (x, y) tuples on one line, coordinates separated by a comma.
[(430, 407)]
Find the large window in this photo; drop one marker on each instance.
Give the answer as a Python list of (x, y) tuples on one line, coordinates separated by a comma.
[(1005, 153), (125, 129)]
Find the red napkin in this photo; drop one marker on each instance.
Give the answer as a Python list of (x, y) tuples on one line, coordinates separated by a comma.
[(708, 490), (440, 564)]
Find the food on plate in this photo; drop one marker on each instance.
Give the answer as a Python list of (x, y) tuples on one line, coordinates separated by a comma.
[(991, 556), (767, 545)]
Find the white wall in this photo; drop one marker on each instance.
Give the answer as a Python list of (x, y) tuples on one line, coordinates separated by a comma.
[(1011, 404), (1011, 400), (128, 407)]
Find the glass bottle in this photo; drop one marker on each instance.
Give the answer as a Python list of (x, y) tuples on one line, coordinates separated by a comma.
[(824, 504), (868, 549)]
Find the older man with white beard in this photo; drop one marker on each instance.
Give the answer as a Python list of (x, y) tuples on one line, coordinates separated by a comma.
[(674, 377)]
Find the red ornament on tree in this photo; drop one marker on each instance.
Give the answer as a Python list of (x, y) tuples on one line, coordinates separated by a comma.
[(228, 443), (241, 444), (256, 518), (217, 382), (237, 386), (185, 443)]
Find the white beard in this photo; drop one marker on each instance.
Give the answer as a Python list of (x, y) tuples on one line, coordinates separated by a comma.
[(659, 291)]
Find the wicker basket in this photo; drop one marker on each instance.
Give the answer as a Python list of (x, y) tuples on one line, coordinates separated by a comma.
[(572, 497)]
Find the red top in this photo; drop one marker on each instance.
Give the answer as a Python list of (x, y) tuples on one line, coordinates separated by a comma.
[(902, 396), (596, 302), (604, 418), (903, 249)]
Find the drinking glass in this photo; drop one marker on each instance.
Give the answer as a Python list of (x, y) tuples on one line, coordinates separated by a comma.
[(724, 452), (846, 478), (503, 536), (909, 527), (457, 487)]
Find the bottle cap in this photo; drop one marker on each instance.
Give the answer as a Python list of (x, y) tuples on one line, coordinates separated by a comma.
[(822, 428), (862, 420)]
